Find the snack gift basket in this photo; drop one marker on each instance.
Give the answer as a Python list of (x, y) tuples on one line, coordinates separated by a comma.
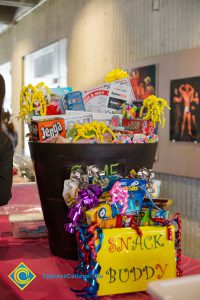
[(99, 196)]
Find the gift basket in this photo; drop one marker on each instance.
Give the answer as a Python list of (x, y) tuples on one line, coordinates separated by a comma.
[(93, 152)]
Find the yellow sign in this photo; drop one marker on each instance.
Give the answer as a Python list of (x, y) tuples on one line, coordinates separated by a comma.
[(129, 262), (22, 276)]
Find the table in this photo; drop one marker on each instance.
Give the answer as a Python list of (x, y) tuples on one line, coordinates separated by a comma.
[(36, 255)]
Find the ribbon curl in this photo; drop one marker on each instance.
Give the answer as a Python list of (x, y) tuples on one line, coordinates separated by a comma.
[(34, 99), (175, 220), (90, 239), (91, 131), (80, 179), (119, 196), (87, 198), (155, 109)]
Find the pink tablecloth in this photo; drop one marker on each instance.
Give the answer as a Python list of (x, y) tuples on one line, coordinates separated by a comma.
[(36, 255)]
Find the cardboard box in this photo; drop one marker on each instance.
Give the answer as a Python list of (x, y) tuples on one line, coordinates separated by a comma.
[(81, 117), (70, 118), (45, 129)]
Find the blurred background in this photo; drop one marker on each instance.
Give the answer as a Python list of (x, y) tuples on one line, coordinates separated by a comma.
[(76, 42)]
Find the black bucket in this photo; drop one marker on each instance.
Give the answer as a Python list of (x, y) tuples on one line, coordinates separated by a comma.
[(53, 164)]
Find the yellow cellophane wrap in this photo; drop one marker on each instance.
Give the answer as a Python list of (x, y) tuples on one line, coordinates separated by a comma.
[(129, 262)]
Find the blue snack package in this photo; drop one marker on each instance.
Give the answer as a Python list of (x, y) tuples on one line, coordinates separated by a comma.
[(74, 101), (136, 194)]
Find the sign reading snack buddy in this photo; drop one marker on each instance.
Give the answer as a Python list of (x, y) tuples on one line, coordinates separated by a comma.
[(129, 261)]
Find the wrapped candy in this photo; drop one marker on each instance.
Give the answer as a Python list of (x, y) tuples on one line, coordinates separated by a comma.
[(80, 179), (70, 191), (71, 186), (147, 175), (137, 138), (95, 173), (123, 139)]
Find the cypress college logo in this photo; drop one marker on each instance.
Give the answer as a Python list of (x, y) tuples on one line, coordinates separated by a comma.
[(22, 276)]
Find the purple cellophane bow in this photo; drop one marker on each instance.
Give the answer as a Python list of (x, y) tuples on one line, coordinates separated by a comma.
[(87, 198)]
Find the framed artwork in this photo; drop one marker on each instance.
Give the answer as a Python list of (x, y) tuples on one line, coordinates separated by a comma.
[(143, 81), (185, 109)]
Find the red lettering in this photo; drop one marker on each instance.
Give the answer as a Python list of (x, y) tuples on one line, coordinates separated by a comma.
[(112, 248)]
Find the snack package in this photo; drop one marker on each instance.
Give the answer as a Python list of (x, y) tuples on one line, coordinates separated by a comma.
[(43, 130), (129, 111), (141, 218), (70, 191), (144, 217), (74, 101), (139, 126), (135, 194), (99, 213), (58, 95), (157, 214)]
